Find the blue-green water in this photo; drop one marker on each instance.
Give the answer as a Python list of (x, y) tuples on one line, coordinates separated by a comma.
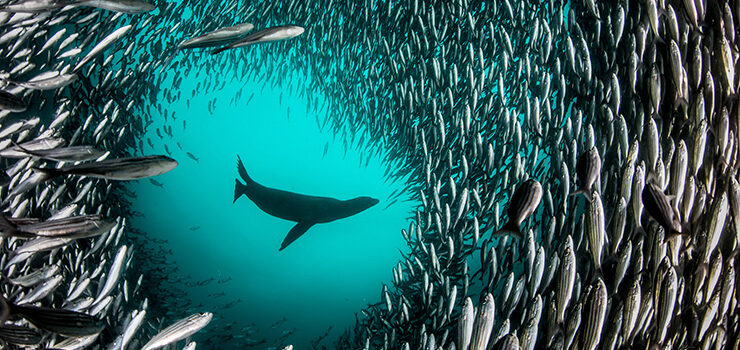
[(321, 279)]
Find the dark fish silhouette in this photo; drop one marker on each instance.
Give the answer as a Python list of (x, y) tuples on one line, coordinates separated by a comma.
[(659, 208), (523, 203), (587, 169), (192, 157)]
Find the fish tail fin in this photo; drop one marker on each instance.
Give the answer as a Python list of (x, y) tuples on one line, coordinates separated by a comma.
[(48, 173), (510, 228), (7, 227), (583, 192), (239, 190), (5, 308)]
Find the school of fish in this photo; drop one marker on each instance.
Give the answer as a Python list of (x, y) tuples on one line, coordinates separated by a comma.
[(575, 164)]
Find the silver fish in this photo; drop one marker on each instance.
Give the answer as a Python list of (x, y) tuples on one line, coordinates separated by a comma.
[(278, 33), (115, 169), (566, 279), (595, 317), (217, 37), (122, 6), (179, 330)]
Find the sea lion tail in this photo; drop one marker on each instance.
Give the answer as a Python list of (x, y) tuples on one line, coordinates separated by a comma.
[(242, 170), (239, 190)]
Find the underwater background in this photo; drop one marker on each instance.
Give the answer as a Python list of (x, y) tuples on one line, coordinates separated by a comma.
[(322, 279)]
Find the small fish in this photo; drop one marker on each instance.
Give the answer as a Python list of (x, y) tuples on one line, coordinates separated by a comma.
[(120, 6), (179, 330), (716, 224), (483, 324), (278, 33), (595, 228), (115, 169), (595, 316), (217, 37), (192, 157), (69, 227), (48, 81), (72, 343), (64, 154), (34, 6), (195, 228), (42, 290), (390, 203), (566, 279), (132, 327), (113, 274), (523, 203), (156, 183), (279, 322), (102, 45), (36, 277), (40, 244), (657, 206), (666, 303)]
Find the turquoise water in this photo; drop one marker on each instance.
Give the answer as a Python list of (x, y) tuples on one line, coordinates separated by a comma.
[(320, 280)]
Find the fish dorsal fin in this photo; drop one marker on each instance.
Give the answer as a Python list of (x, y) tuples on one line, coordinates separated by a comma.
[(298, 230)]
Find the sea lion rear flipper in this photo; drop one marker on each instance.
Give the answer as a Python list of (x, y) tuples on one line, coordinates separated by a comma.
[(298, 230), (242, 171), (239, 190)]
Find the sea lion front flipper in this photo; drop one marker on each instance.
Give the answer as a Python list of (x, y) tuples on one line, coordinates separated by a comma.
[(298, 230)]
